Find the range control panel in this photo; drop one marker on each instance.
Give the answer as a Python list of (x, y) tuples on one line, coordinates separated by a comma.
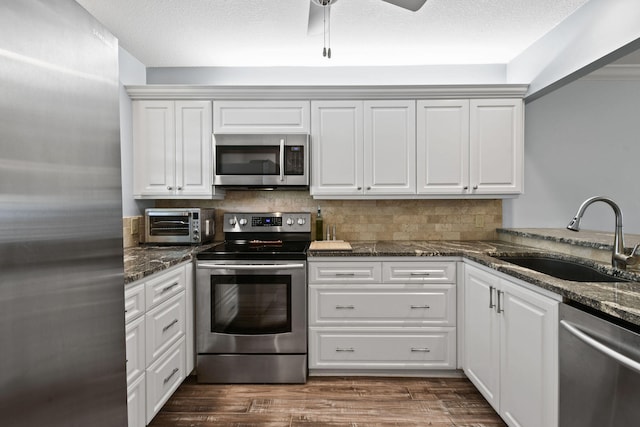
[(274, 222)]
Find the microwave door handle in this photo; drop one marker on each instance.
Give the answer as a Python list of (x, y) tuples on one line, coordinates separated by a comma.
[(282, 160), (185, 214)]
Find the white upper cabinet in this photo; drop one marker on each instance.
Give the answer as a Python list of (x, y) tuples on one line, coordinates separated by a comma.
[(261, 117), (390, 147), (470, 147), (496, 146), (172, 149), (363, 148), (443, 146), (337, 143)]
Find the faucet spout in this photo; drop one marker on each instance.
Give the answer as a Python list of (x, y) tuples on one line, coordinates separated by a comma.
[(618, 257)]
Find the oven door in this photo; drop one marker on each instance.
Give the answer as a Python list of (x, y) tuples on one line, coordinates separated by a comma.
[(244, 307)]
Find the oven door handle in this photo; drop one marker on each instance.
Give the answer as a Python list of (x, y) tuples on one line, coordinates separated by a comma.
[(618, 357), (251, 266)]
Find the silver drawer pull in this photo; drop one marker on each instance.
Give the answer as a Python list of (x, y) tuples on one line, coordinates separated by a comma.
[(169, 325), (413, 273), (419, 306), (346, 349), (166, 380), (168, 288), (346, 274), (420, 350), (345, 307)]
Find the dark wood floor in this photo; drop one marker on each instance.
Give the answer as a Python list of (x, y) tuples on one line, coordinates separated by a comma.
[(330, 401)]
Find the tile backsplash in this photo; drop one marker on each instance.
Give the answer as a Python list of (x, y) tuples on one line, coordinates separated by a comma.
[(461, 219)]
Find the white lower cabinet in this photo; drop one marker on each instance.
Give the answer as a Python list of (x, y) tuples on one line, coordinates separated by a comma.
[(157, 326), (510, 347), (381, 315)]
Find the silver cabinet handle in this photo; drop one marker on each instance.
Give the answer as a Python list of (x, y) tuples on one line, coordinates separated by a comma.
[(419, 306), (618, 357), (491, 304), (500, 308), (420, 350), (166, 380), (169, 325), (168, 288), (345, 350), (466, 187), (345, 274), (475, 187), (179, 188), (359, 188), (345, 307), (368, 188), (169, 187), (416, 273)]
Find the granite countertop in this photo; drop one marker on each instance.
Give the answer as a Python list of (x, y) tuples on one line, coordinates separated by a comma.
[(618, 299), (143, 261)]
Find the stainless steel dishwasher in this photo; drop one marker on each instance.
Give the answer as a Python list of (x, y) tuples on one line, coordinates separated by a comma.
[(599, 371)]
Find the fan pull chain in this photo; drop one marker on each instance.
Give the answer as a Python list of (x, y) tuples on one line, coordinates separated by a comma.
[(326, 21)]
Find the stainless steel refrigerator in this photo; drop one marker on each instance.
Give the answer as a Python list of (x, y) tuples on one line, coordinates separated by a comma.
[(62, 347)]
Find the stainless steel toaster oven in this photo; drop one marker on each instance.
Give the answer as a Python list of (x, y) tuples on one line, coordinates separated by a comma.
[(179, 226)]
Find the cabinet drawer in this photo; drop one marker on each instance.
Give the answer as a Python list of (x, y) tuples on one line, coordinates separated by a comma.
[(345, 272), (164, 326), (417, 305), (135, 349), (389, 348), (164, 377), (136, 403), (164, 287), (419, 272), (134, 302)]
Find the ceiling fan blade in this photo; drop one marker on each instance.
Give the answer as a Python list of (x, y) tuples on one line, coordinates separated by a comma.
[(316, 19), (412, 5)]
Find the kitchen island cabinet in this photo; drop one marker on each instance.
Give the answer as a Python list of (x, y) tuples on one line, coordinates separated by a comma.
[(379, 317)]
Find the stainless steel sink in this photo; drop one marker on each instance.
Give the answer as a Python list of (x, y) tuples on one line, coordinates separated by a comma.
[(562, 269)]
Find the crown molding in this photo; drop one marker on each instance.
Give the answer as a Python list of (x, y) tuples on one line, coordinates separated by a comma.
[(325, 92), (622, 72)]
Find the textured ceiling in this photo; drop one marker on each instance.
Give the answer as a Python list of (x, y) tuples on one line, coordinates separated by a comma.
[(180, 33)]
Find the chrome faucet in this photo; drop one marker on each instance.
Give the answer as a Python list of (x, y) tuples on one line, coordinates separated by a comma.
[(618, 258)]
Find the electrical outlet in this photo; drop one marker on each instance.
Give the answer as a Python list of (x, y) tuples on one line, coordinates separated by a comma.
[(135, 225), (479, 221)]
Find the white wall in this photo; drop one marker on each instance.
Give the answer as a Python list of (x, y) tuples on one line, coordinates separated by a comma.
[(581, 140), (132, 72)]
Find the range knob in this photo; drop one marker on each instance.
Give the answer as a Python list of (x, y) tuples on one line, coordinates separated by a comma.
[(243, 221), (290, 221), (301, 221), (232, 221)]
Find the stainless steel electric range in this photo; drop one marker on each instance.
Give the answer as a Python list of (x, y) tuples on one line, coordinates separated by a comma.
[(251, 300)]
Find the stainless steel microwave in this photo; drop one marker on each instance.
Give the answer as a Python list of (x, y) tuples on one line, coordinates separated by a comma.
[(261, 161), (179, 226)]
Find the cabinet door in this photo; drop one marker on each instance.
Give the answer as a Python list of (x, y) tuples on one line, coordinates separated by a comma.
[(443, 146), (193, 148), (481, 333), (261, 116), (337, 143), (528, 357), (390, 147), (496, 146), (154, 139)]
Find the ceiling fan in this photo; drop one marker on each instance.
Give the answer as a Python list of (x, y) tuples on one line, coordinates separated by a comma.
[(320, 16)]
